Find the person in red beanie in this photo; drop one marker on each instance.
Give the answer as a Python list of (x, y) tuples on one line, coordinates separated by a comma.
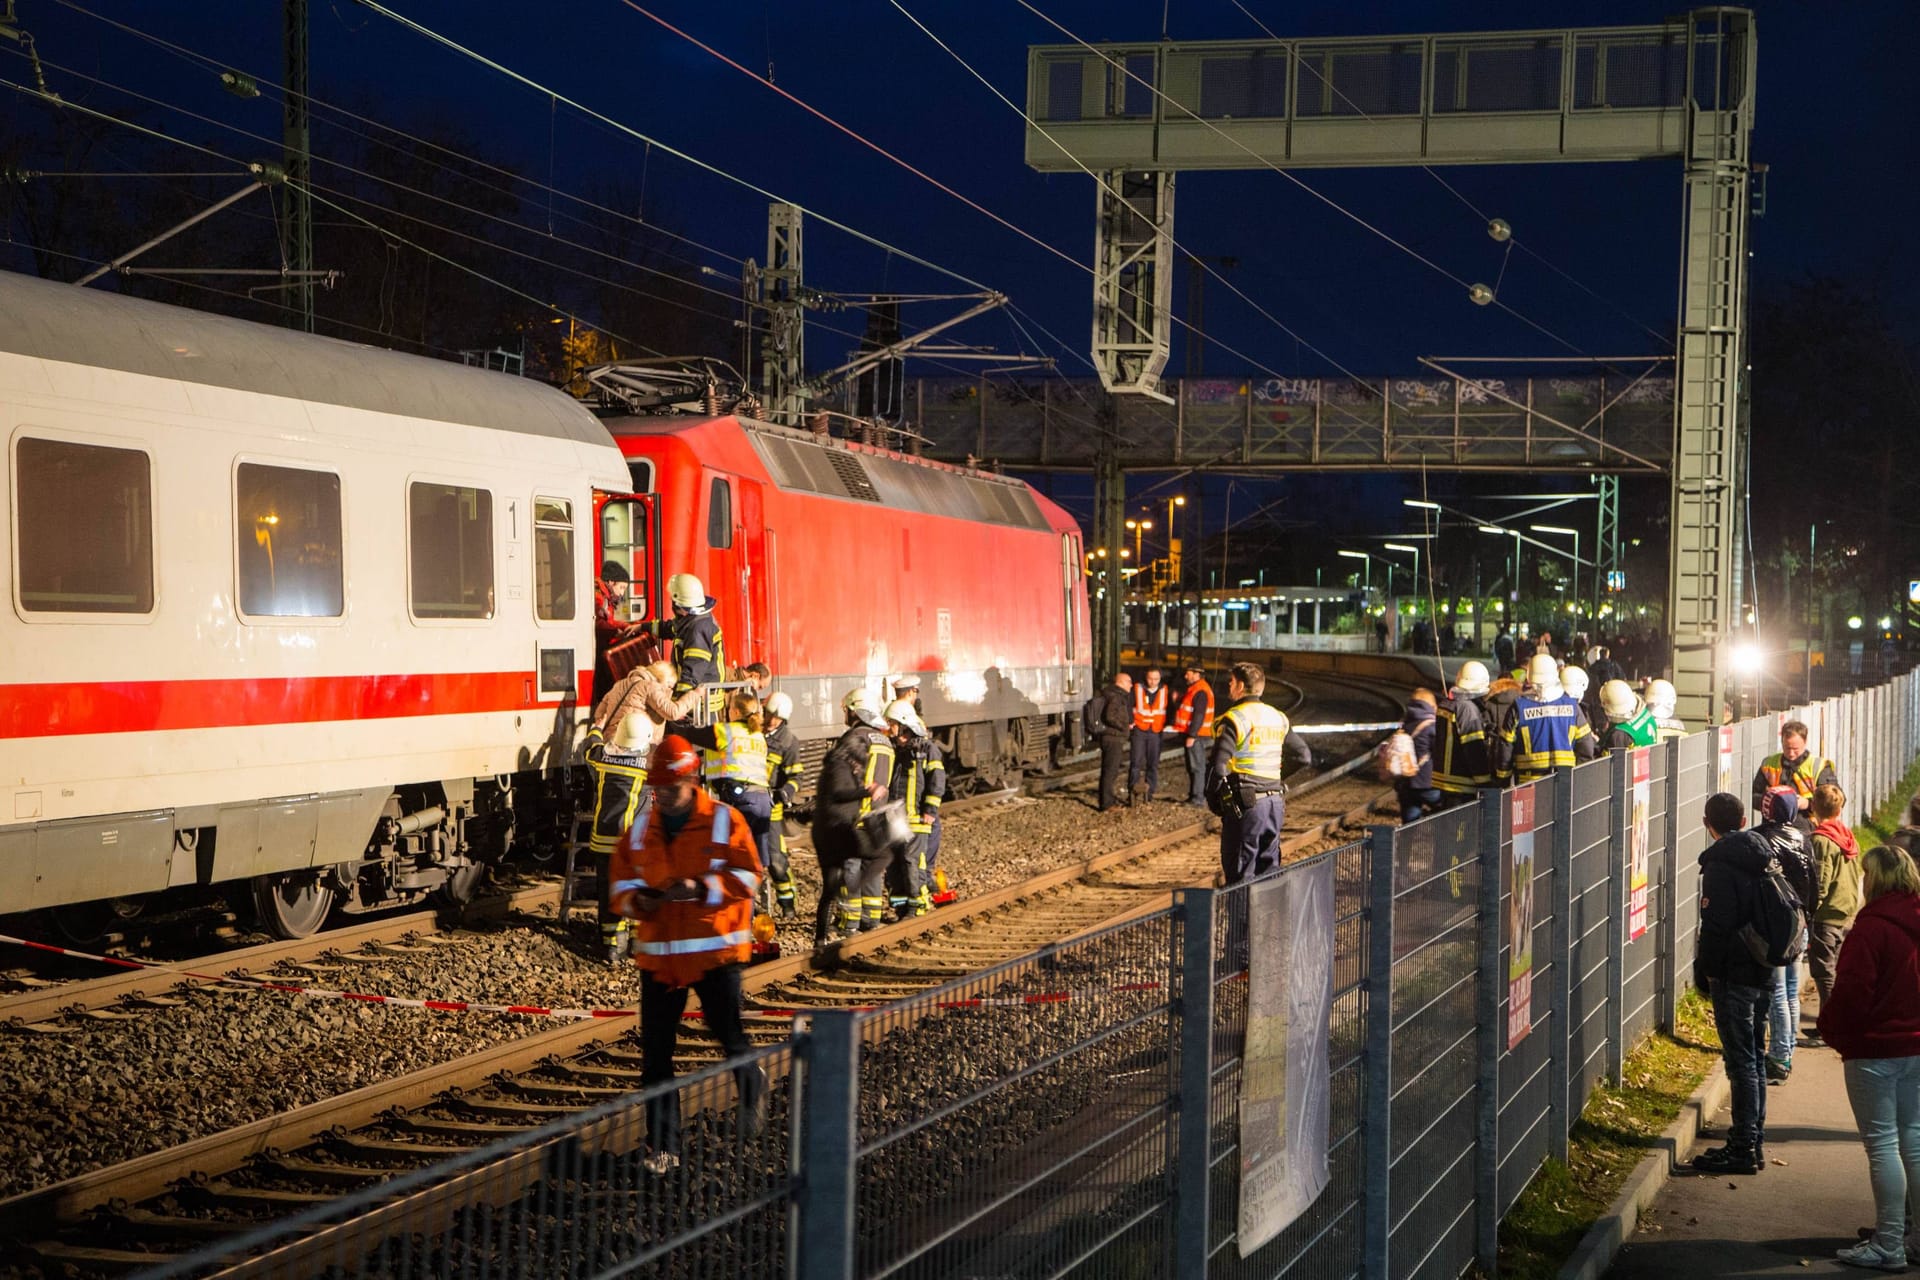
[(686, 874), (1873, 1019)]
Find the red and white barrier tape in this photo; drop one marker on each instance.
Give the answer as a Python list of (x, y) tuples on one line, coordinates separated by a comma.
[(246, 982)]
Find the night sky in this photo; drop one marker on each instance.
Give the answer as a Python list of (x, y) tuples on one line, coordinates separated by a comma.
[(1834, 125)]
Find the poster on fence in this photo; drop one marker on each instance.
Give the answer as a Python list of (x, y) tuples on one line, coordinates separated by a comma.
[(1726, 759), (1520, 917), (1637, 852), (1283, 1083)]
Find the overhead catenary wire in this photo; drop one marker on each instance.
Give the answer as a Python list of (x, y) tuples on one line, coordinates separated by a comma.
[(1457, 194)]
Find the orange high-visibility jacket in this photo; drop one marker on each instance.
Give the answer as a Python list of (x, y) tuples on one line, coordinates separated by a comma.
[(680, 941), (1149, 708), (1198, 693)]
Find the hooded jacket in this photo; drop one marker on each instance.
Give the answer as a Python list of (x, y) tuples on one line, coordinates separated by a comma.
[(1836, 873), (1730, 870), (1419, 725), (1874, 1011)]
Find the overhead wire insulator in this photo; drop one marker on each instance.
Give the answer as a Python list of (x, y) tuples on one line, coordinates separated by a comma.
[(1500, 230), (1481, 295)]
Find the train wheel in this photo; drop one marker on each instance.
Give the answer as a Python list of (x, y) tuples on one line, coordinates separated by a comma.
[(292, 905), (88, 922)]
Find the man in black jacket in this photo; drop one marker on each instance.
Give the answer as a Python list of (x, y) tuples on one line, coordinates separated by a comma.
[(1740, 986), (1116, 723)]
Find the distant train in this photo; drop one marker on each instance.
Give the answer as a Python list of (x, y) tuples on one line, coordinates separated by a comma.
[(316, 620)]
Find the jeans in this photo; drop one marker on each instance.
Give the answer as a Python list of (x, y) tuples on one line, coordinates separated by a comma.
[(1415, 801), (1197, 771), (1885, 1093), (1783, 1024), (1740, 1016)]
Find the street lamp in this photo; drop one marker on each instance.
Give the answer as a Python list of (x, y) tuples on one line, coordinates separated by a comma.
[(1419, 503), (1401, 546), (1563, 531), (1139, 527), (1367, 586)]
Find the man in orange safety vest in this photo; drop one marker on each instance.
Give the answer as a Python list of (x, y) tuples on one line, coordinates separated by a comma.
[(1149, 722), (1193, 722)]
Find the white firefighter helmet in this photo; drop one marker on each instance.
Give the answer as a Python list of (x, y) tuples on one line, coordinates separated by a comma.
[(1472, 679), (864, 707), (1542, 671), (901, 712), (1574, 681), (634, 733), (1661, 696), (778, 704), (686, 591), (1619, 701)]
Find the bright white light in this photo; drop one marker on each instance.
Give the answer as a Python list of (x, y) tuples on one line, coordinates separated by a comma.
[(1746, 659), (1886, 624), (1416, 502), (1853, 623)]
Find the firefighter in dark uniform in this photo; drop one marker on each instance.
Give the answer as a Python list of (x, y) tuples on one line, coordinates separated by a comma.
[(1463, 757), (783, 776), (853, 778), (919, 780), (1252, 743), (698, 652), (1544, 729)]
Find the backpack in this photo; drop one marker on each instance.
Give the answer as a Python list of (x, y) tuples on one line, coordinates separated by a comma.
[(1090, 715), (1395, 757), (1777, 933)]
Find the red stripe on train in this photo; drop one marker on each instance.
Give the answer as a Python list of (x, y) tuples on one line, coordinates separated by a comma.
[(135, 706)]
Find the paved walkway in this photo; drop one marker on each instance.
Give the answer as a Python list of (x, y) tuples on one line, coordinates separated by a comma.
[(1784, 1222)]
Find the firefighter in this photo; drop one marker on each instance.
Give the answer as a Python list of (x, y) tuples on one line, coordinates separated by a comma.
[(784, 768), (686, 874), (1193, 722), (1793, 766), (1662, 697), (1251, 747), (1149, 722), (620, 739), (1461, 761), (914, 783), (737, 768), (1630, 722), (853, 779), (698, 650), (1544, 730)]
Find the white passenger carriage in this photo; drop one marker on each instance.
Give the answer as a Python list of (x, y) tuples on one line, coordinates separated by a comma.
[(279, 609)]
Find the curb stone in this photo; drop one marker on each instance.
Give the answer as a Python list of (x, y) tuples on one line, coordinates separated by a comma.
[(1674, 1147)]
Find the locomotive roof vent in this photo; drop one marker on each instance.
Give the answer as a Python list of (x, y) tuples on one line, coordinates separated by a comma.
[(853, 475)]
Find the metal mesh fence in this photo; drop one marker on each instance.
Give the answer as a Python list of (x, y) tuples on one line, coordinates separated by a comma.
[(1076, 1112)]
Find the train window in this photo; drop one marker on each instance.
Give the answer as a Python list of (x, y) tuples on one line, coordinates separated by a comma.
[(623, 543), (553, 559), (85, 532), (641, 470), (450, 544), (720, 514), (287, 530)]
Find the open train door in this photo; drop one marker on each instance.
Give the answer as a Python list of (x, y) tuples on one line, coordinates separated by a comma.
[(626, 581)]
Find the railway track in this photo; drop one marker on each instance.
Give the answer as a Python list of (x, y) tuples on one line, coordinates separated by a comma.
[(49, 1009), (146, 1210)]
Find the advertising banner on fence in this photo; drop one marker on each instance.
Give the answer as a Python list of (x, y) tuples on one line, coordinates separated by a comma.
[(1637, 852), (1726, 760), (1520, 917), (1283, 1087)]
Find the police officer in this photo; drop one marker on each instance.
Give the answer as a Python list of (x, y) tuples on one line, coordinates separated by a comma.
[(699, 653), (1193, 721), (906, 688), (784, 768), (1149, 722), (1630, 722), (1462, 763), (1544, 730), (853, 779), (1251, 746), (737, 769)]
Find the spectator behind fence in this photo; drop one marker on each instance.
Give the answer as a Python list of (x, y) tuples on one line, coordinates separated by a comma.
[(1789, 844), (1731, 873), (1873, 1019), (1836, 886)]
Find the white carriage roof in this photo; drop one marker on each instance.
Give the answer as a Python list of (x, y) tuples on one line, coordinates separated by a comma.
[(50, 321)]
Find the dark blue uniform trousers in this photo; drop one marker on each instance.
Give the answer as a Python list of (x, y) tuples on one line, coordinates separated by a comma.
[(1250, 842)]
